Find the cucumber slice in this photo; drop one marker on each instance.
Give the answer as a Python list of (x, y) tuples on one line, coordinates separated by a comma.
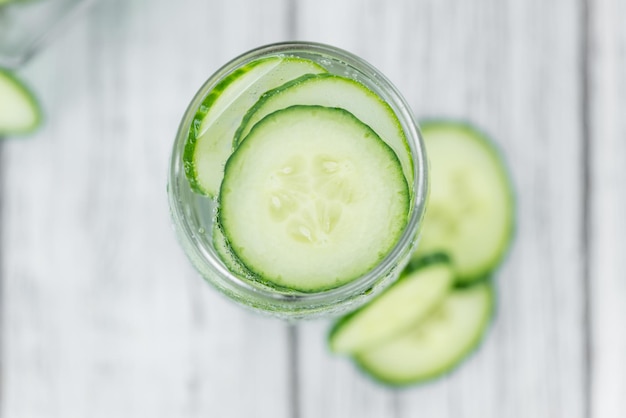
[(211, 135), (470, 211), (335, 91), (19, 110), (224, 252), (436, 345), (312, 199), (405, 303)]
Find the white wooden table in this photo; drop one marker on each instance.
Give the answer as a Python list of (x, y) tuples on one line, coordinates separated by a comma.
[(102, 315)]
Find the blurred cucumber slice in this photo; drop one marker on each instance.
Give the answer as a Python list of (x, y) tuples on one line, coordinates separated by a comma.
[(437, 344), (470, 211), (20, 112), (405, 303)]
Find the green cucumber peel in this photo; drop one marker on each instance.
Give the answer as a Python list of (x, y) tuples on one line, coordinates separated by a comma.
[(210, 136)]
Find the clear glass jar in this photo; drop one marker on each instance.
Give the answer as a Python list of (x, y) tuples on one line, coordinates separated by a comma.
[(193, 215), (25, 25)]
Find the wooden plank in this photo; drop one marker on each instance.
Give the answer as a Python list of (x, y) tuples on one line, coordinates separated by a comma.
[(330, 386), (512, 68), (607, 133), (2, 290), (104, 316)]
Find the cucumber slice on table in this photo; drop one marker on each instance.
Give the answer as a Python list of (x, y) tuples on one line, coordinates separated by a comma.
[(312, 199), (19, 110), (435, 345), (210, 140), (402, 305), (335, 91), (470, 211)]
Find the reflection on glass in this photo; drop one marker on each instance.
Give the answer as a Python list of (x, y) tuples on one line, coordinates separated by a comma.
[(25, 25)]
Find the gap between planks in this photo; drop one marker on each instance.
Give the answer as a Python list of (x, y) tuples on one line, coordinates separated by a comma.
[(2, 165), (587, 235), (293, 345)]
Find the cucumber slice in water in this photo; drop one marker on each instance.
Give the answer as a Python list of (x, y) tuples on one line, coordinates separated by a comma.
[(211, 135), (435, 345), (19, 111), (470, 211), (222, 247), (402, 305), (312, 199), (335, 91)]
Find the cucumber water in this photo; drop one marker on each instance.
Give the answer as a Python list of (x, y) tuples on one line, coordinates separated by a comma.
[(313, 198), (311, 174), (304, 180)]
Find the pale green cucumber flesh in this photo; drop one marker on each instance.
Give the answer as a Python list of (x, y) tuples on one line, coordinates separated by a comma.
[(436, 345), (405, 303), (19, 110), (335, 91), (470, 210), (312, 199), (210, 139)]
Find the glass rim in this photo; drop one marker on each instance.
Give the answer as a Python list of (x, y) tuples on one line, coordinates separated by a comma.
[(259, 295)]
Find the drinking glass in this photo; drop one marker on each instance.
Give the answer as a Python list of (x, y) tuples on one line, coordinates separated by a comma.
[(194, 215)]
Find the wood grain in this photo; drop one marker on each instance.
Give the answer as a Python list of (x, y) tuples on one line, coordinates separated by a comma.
[(512, 69), (103, 316), (607, 130)]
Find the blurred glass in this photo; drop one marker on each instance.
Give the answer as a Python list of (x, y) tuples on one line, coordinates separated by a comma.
[(26, 25)]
